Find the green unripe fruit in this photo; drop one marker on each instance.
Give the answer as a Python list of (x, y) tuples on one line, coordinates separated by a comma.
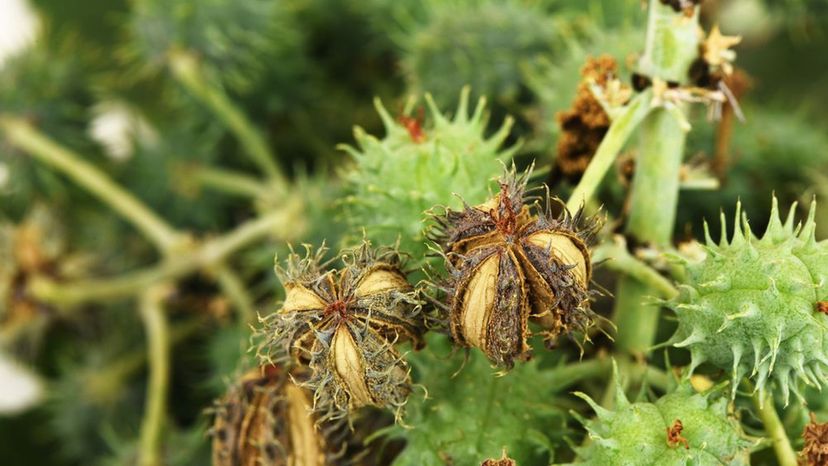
[(752, 305), (415, 167), (680, 428)]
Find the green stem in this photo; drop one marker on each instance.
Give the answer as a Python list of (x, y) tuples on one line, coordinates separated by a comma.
[(187, 71), (24, 136), (152, 426), (785, 454), (210, 253), (619, 131), (620, 260), (233, 287), (228, 182), (653, 204), (564, 377), (672, 45)]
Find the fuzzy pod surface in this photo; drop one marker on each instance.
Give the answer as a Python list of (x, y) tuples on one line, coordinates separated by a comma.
[(342, 325), (263, 419), (752, 306), (418, 166), (679, 429)]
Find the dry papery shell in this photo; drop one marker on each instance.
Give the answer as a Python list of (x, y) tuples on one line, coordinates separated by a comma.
[(510, 262), (265, 419), (343, 325)]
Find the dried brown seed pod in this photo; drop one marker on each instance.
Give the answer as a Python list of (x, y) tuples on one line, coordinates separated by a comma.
[(343, 325), (815, 451), (508, 264), (265, 419)]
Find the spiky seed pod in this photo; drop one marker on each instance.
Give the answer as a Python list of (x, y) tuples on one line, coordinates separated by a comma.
[(681, 428), (418, 165), (343, 325), (263, 419), (507, 264), (751, 306), (815, 451)]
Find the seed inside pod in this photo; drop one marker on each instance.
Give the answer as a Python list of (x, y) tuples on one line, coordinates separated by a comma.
[(491, 307), (479, 300), (570, 251), (303, 435), (347, 361)]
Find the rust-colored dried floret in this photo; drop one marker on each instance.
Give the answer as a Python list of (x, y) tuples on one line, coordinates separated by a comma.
[(504, 460), (585, 123), (509, 263), (674, 437), (822, 306), (815, 451)]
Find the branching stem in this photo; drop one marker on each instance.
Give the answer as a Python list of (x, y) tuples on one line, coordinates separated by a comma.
[(187, 71), (158, 347), (23, 135)]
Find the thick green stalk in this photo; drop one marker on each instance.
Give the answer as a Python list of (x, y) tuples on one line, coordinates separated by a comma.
[(185, 68), (653, 204), (785, 454), (672, 45), (158, 347)]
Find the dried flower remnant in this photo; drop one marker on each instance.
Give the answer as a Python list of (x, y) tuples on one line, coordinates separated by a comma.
[(34, 247), (717, 50), (674, 437), (815, 451), (585, 124), (414, 126), (508, 264), (263, 419), (343, 325), (503, 461), (822, 307)]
